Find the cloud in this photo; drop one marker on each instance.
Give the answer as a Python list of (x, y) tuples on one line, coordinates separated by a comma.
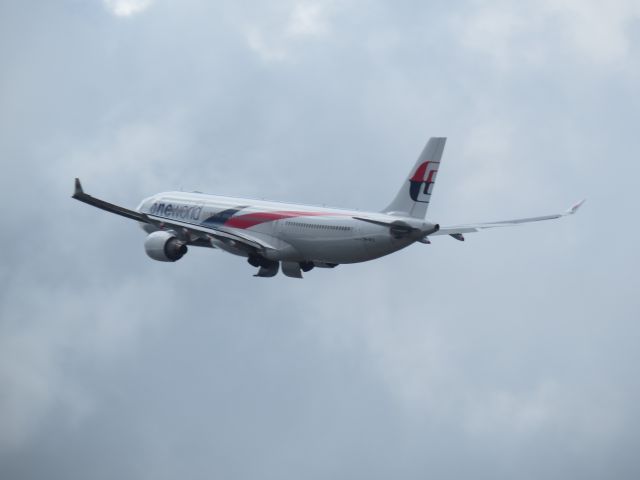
[(36, 340), (127, 8), (308, 19), (274, 37), (265, 48), (142, 149), (532, 33), (601, 32)]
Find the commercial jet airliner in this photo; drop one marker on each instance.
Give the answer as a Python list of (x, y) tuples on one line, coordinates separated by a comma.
[(296, 237)]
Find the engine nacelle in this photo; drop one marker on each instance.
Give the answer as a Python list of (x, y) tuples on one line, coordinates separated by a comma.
[(164, 247)]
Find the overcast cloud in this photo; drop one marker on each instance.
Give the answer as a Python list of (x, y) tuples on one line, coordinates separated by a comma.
[(512, 355)]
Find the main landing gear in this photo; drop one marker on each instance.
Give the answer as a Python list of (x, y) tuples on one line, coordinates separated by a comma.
[(270, 268)]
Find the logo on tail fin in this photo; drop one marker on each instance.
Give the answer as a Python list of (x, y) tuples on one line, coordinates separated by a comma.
[(425, 175)]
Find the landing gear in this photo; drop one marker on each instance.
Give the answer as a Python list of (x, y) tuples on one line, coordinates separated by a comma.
[(306, 266), (254, 260), (268, 268)]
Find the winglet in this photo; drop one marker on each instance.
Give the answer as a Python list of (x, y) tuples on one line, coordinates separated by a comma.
[(78, 189), (574, 208)]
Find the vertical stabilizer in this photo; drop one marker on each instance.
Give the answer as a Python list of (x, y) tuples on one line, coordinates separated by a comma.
[(413, 198)]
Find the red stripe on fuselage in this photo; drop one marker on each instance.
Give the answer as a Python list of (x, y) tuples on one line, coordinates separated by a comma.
[(251, 219)]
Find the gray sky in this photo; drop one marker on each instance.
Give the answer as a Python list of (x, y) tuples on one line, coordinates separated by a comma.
[(512, 355)]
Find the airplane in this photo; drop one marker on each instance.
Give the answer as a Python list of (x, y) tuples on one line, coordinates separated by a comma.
[(295, 237)]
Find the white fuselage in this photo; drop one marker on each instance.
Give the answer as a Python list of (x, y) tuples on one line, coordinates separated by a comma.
[(295, 232)]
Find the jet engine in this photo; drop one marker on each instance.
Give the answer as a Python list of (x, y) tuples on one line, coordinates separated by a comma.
[(164, 247)]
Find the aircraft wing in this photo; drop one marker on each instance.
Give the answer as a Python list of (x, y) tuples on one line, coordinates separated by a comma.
[(203, 232), (456, 231), (193, 232)]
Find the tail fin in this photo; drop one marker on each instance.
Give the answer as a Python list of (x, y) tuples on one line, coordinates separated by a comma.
[(413, 198)]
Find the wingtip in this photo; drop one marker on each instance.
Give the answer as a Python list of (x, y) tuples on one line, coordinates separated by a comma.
[(574, 208), (78, 188)]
